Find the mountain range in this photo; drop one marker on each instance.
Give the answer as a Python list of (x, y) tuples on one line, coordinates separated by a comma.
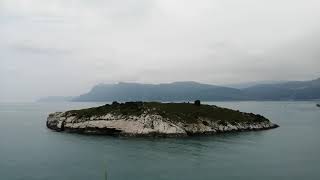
[(189, 91)]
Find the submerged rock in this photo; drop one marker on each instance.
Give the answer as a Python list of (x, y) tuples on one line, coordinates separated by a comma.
[(156, 119)]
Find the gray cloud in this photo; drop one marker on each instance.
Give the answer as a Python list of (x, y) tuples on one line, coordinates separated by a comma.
[(65, 47), (30, 49)]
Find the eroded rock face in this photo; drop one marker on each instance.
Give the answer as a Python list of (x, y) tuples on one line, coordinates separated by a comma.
[(145, 125)]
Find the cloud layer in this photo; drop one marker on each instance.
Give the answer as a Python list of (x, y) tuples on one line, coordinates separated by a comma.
[(64, 47)]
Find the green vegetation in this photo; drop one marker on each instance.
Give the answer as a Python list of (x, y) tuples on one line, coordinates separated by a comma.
[(184, 112), (126, 109)]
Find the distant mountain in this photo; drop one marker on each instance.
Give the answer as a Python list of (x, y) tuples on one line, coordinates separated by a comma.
[(293, 90), (177, 91), (190, 91), (250, 84)]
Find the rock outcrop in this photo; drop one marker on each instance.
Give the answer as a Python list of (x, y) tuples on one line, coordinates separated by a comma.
[(150, 123)]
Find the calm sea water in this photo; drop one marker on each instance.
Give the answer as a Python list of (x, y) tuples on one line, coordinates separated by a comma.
[(29, 151)]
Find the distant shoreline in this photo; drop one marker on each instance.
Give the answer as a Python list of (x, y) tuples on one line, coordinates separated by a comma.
[(188, 91)]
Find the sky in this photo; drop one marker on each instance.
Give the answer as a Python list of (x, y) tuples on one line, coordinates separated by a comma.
[(64, 47)]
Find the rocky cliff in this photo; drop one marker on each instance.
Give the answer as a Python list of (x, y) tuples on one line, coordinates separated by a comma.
[(156, 119)]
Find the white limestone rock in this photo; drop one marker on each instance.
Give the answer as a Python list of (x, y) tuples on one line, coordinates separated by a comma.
[(145, 125)]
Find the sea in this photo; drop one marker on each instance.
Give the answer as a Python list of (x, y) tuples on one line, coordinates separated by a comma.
[(30, 151)]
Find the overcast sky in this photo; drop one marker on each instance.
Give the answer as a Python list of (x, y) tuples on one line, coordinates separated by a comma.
[(64, 47)]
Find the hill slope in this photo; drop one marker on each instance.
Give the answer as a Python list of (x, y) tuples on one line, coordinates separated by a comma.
[(178, 91), (294, 90), (189, 91)]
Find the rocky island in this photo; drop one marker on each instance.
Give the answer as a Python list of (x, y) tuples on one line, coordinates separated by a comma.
[(156, 119)]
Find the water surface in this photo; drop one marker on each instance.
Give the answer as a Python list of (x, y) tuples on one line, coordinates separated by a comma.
[(29, 151)]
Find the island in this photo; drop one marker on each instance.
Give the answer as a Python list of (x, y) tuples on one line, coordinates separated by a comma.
[(156, 119)]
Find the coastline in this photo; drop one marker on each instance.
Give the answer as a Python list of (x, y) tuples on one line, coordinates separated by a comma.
[(150, 124)]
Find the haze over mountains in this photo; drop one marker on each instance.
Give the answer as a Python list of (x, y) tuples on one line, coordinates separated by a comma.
[(189, 91), (294, 90)]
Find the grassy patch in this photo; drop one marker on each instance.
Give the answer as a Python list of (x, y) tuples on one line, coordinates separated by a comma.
[(184, 112)]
